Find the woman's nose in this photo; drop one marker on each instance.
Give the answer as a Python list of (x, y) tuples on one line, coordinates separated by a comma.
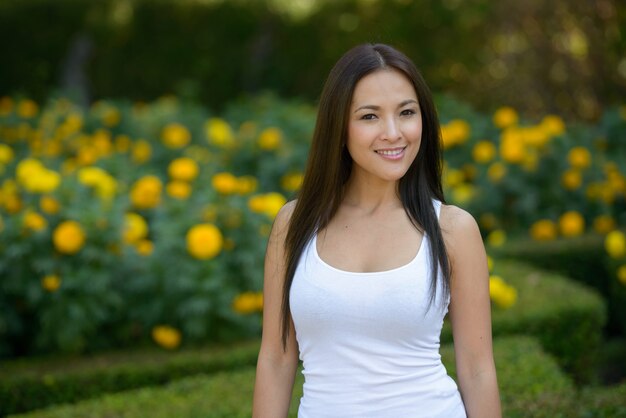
[(391, 130)]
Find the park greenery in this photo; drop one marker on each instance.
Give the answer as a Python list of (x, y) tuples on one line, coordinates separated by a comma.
[(130, 224), (143, 159)]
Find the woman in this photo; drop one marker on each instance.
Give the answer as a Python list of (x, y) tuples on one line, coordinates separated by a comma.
[(362, 268)]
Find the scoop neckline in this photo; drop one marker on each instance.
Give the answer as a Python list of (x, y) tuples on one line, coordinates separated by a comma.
[(367, 273)]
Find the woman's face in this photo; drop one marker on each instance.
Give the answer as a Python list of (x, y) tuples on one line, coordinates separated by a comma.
[(384, 126)]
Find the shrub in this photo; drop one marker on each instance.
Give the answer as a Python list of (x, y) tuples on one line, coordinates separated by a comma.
[(566, 317), (526, 374), (31, 384)]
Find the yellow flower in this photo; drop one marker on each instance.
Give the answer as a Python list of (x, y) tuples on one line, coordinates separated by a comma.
[(175, 135), (68, 237), (166, 336), (178, 189), (248, 302), (615, 244), (512, 148), (504, 117), (135, 228), (603, 224), (104, 184), (219, 133), (12, 203), (292, 182), (452, 177), (27, 108), (553, 125), (184, 169), (144, 247), (225, 183), (489, 264), (35, 177), (571, 224), (496, 238), (621, 274), (571, 179), (268, 204), (534, 136), (34, 221), (579, 157), (501, 293), (51, 282), (111, 117), (270, 139), (141, 152), (543, 230), (6, 154), (87, 155), (246, 185), (496, 171), (146, 192), (463, 193), (483, 152), (204, 241), (454, 133), (101, 142)]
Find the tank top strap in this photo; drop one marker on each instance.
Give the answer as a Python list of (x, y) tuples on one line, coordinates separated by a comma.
[(437, 206)]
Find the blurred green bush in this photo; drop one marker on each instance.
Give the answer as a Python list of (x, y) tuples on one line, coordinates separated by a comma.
[(131, 221), (565, 317)]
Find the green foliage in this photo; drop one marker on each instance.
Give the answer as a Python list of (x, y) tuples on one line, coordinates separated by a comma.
[(581, 258), (566, 317), (526, 375), (32, 384)]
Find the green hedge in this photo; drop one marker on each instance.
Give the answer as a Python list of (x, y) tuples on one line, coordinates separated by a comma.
[(30, 384), (526, 376), (565, 316), (582, 258)]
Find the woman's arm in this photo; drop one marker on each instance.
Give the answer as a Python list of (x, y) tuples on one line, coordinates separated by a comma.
[(276, 369), (470, 313)]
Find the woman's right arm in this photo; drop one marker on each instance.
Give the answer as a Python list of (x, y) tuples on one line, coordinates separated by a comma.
[(276, 368)]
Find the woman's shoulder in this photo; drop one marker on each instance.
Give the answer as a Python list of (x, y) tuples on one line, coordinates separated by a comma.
[(282, 219), (458, 225)]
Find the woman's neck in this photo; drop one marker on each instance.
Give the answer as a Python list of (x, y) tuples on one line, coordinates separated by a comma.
[(371, 196)]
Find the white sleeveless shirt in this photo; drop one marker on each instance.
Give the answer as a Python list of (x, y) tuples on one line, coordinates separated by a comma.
[(368, 343)]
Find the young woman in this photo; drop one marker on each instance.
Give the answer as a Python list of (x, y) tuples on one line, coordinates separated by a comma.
[(361, 269)]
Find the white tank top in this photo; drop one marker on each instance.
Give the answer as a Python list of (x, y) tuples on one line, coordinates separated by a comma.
[(369, 346)]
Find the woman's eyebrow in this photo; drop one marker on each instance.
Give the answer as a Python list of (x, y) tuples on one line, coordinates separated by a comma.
[(375, 107)]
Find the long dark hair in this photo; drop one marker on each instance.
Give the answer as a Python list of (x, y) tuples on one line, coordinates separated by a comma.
[(329, 165)]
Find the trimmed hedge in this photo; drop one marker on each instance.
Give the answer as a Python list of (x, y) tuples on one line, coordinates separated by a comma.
[(30, 384), (526, 376), (582, 258), (565, 316)]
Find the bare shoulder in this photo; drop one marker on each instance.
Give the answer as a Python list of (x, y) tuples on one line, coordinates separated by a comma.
[(458, 227), (281, 222), (453, 219)]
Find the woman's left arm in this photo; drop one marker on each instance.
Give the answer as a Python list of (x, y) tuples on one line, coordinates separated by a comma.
[(470, 313)]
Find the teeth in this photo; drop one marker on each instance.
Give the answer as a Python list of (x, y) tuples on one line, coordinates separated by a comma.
[(390, 152)]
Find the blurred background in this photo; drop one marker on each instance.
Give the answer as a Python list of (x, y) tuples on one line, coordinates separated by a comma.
[(559, 56), (147, 145)]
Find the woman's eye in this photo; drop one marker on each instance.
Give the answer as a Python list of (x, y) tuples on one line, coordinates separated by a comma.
[(369, 116), (407, 112)]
